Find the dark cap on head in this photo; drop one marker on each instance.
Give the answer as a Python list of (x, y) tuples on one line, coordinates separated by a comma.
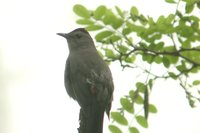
[(80, 29), (66, 34)]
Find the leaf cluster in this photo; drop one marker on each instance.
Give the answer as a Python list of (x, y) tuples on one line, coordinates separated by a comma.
[(170, 41), (137, 99)]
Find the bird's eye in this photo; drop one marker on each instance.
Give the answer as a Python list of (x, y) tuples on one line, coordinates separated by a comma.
[(78, 36)]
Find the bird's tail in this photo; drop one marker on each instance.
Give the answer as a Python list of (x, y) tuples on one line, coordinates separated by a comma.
[(91, 120)]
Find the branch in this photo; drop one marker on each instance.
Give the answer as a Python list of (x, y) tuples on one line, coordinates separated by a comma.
[(171, 53), (189, 95)]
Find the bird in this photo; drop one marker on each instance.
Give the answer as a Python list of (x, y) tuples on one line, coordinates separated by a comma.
[(88, 80)]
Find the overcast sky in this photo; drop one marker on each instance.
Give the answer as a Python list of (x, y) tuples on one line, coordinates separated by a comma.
[(32, 59)]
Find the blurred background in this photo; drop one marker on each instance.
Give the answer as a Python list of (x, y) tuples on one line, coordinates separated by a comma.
[(32, 60)]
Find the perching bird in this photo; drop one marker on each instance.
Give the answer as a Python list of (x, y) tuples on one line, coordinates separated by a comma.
[(88, 80)]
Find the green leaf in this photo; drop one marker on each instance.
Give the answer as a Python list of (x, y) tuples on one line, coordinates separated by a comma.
[(186, 44), (189, 8), (143, 20), (99, 12), (138, 99), (152, 108), (138, 29), (196, 82), (117, 23), (113, 39), (170, 18), (190, 1), (158, 59), (134, 11), (132, 94), (170, 1), (172, 59), (166, 62), (198, 4), (84, 22), (130, 59), (126, 31), (150, 83), (133, 130), (192, 55), (104, 34), (123, 48), (179, 14), (160, 20), (151, 21), (157, 47), (191, 102), (114, 129), (81, 11), (172, 75), (93, 27), (157, 36), (147, 57), (141, 87), (170, 49), (119, 11), (109, 17), (127, 105), (194, 18), (184, 30), (195, 70), (182, 67), (142, 121), (109, 53), (119, 118)]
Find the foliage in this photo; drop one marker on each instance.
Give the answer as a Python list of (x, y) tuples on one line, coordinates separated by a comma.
[(170, 41)]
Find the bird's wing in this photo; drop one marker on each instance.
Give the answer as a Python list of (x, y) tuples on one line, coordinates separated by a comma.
[(67, 81), (90, 79), (101, 84)]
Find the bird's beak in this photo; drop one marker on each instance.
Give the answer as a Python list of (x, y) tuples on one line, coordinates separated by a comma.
[(62, 34)]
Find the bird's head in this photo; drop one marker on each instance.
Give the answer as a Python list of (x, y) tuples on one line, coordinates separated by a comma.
[(78, 39)]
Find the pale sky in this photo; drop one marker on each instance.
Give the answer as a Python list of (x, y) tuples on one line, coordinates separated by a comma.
[(32, 58)]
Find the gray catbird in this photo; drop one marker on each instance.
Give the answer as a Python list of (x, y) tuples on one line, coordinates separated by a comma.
[(88, 80)]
